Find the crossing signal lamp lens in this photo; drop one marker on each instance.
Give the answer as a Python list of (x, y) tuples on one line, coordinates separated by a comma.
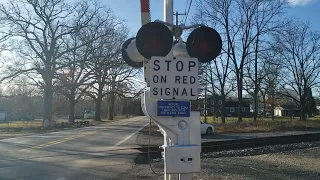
[(154, 39), (204, 43)]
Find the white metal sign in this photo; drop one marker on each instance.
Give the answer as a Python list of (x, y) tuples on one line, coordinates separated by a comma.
[(175, 78)]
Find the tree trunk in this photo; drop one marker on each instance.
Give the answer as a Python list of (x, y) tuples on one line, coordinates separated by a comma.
[(222, 107), (205, 105), (264, 104), (255, 110), (302, 109), (111, 106), (222, 110), (239, 84), (256, 83), (98, 102), (272, 113), (47, 104), (72, 104), (97, 115)]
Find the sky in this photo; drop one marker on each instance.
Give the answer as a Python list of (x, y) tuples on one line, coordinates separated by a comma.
[(305, 10)]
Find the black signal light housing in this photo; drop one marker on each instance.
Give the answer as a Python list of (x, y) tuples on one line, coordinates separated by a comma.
[(204, 43), (154, 39)]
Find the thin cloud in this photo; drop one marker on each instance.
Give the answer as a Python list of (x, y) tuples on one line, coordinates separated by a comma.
[(300, 2)]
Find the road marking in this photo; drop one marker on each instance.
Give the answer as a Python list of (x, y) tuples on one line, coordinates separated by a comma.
[(59, 141), (128, 137)]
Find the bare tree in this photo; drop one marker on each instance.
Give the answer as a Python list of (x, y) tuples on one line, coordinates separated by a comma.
[(105, 65), (121, 84), (40, 27), (269, 85), (19, 90), (77, 76), (299, 47), (240, 22), (219, 78)]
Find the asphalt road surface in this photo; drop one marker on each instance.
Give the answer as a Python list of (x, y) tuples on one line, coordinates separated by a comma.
[(91, 153)]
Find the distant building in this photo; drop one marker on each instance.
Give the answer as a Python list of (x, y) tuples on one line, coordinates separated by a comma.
[(287, 111), (260, 107), (3, 115), (230, 109), (278, 111)]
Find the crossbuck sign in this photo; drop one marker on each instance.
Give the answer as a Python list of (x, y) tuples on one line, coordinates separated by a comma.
[(175, 78)]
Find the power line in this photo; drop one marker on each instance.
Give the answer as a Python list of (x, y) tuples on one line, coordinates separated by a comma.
[(188, 12), (185, 10)]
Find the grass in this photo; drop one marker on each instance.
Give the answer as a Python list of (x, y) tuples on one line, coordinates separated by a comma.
[(263, 124), (20, 128)]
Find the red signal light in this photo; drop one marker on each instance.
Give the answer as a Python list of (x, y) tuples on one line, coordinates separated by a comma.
[(154, 39), (204, 43)]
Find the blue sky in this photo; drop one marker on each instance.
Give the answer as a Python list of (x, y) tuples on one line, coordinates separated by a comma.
[(130, 10), (305, 10)]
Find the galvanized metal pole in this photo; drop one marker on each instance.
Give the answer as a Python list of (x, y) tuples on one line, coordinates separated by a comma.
[(168, 11), (167, 17)]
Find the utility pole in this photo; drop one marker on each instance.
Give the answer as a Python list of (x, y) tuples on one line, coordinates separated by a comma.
[(177, 17)]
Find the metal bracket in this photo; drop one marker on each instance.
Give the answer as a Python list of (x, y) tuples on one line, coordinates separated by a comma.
[(177, 30)]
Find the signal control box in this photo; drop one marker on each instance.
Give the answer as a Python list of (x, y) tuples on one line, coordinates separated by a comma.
[(182, 159)]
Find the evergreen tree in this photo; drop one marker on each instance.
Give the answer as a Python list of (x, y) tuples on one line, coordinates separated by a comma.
[(311, 108)]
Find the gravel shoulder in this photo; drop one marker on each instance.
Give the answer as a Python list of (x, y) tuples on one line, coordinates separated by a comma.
[(283, 162)]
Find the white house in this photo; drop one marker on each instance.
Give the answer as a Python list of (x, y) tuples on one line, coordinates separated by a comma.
[(278, 111)]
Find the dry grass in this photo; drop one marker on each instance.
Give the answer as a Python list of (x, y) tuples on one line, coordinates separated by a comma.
[(21, 128), (21, 124), (36, 124), (263, 124)]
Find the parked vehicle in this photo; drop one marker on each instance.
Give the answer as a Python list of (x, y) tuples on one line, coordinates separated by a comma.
[(207, 129), (89, 114)]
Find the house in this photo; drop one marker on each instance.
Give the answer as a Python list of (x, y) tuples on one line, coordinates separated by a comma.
[(260, 107), (318, 105), (231, 109), (213, 104), (278, 111), (3, 115), (287, 111)]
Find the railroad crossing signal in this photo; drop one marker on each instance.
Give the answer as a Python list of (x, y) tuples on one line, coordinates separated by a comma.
[(156, 39)]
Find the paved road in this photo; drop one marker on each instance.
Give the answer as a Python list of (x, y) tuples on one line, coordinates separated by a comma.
[(91, 153)]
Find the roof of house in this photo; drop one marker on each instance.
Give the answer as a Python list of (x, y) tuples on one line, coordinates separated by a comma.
[(290, 107)]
